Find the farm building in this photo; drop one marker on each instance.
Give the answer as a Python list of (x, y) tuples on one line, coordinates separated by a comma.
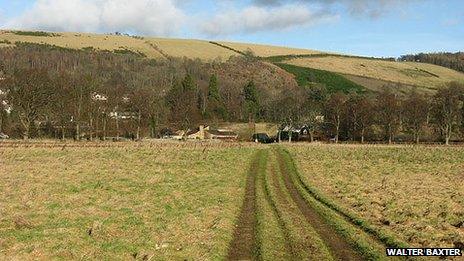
[(298, 133), (201, 133), (221, 134), (198, 133)]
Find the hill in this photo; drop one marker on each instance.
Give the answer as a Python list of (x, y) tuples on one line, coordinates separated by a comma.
[(422, 75), (369, 73), (148, 46)]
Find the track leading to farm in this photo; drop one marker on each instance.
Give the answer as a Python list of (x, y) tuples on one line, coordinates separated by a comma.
[(280, 220)]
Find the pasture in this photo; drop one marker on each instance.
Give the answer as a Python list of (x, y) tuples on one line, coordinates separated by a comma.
[(267, 50), (157, 48), (409, 73), (214, 201), (415, 192), (159, 201)]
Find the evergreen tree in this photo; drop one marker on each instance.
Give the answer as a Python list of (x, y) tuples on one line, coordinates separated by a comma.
[(251, 100), (216, 108), (213, 89)]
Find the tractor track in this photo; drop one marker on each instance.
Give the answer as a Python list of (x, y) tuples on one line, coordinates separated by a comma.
[(306, 231), (244, 245), (289, 244), (339, 247)]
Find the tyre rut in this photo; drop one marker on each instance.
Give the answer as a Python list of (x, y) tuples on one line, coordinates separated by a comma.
[(244, 244), (339, 247)]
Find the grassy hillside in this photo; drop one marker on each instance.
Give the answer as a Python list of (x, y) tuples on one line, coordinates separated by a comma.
[(332, 81), (410, 73), (81, 41), (352, 72), (267, 50), (151, 47)]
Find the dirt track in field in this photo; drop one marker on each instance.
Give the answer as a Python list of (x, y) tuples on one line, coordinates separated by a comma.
[(244, 244), (287, 200), (338, 246)]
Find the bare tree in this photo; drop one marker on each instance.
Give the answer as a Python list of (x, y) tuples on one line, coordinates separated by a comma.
[(335, 108), (389, 111), (415, 108), (360, 115), (446, 109), (29, 92)]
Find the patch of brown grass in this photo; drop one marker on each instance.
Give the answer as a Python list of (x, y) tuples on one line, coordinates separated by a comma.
[(415, 192), (267, 50), (161, 201)]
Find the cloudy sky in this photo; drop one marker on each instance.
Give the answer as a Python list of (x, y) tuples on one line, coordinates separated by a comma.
[(364, 27)]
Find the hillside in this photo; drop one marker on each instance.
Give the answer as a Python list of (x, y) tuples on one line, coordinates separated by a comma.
[(370, 73), (148, 46), (422, 75)]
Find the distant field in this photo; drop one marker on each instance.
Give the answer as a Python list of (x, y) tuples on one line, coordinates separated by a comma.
[(171, 201), (416, 192), (191, 49), (370, 73), (377, 85), (267, 50), (151, 47), (80, 41), (419, 74)]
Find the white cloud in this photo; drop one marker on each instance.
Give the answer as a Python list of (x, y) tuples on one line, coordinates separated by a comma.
[(155, 17), (370, 8), (257, 18)]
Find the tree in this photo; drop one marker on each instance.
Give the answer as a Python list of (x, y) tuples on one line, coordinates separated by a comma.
[(62, 110), (215, 105), (446, 109), (335, 108), (388, 112), (359, 115), (182, 103), (29, 92), (311, 109), (415, 111), (252, 106), (78, 93)]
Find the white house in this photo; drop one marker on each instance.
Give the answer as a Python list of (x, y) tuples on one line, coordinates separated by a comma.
[(7, 107), (99, 97)]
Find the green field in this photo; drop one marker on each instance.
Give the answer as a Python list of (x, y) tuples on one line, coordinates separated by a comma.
[(168, 201), (332, 81), (215, 201)]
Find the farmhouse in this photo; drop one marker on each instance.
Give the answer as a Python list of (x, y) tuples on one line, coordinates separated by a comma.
[(123, 115), (298, 133), (99, 97), (202, 133), (7, 107)]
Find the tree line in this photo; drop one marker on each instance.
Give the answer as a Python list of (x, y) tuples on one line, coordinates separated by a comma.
[(453, 61), (87, 94)]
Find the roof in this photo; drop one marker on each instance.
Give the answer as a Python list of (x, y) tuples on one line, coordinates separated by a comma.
[(222, 133)]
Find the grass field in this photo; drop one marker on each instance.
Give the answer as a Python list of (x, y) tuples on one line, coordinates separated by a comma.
[(81, 40), (267, 50), (212, 201), (166, 201), (415, 192), (332, 81), (419, 74), (191, 49), (149, 46)]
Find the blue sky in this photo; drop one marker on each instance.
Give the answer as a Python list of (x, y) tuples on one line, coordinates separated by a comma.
[(362, 27)]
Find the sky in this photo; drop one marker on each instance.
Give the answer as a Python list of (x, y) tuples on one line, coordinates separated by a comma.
[(381, 28)]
